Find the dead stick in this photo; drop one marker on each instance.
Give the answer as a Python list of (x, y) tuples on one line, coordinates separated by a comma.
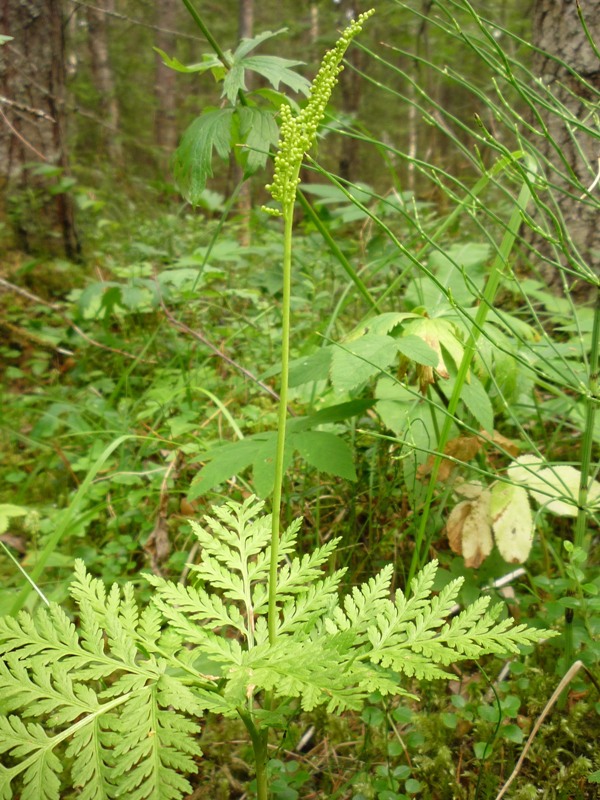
[(567, 678)]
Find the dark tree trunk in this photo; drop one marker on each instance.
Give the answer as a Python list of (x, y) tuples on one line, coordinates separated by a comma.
[(571, 153), (32, 123), (102, 75), (351, 85), (244, 204)]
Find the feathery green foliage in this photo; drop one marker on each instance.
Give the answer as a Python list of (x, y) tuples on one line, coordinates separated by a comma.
[(114, 699)]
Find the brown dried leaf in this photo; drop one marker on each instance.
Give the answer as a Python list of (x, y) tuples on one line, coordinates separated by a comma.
[(158, 545), (454, 525), (503, 442), (16, 542), (469, 529), (425, 377), (463, 448)]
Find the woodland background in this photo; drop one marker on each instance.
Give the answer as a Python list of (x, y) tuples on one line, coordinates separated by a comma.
[(116, 393)]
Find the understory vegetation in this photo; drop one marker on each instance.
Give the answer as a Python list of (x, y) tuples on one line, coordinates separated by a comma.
[(335, 450)]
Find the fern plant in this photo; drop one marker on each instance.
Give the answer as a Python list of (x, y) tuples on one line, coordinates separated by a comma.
[(111, 706)]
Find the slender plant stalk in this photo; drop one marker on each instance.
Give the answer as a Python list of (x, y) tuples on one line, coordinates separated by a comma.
[(297, 136), (487, 302), (207, 34), (259, 739), (591, 402), (288, 215), (581, 523)]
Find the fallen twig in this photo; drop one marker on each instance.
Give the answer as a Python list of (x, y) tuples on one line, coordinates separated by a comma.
[(566, 679)]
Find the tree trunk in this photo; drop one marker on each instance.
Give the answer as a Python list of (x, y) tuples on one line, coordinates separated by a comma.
[(351, 84), (166, 79), (102, 75), (244, 203), (571, 154), (32, 122)]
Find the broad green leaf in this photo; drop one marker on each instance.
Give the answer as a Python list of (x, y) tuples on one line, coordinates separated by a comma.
[(259, 132), (478, 403), (437, 333), (326, 452), (354, 363), (192, 161), (225, 461), (277, 70), (263, 465), (394, 402), (512, 522), (475, 399), (460, 269), (415, 349), (331, 414), (234, 82), (384, 323), (258, 451), (135, 297), (314, 367)]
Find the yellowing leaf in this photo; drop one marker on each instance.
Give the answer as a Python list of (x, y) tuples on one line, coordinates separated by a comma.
[(469, 530), (512, 522), (555, 488), (469, 489), (435, 333), (506, 444)]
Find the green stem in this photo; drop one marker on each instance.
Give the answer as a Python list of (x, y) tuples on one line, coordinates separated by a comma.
[(581, 523), (259, 746), (591, 401), (213, 43), (207, 34), (487, 302), (288, 217)]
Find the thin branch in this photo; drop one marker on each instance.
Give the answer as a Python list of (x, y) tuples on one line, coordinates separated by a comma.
[(36, 112), (133, 21), (20, 136), (567, 678)]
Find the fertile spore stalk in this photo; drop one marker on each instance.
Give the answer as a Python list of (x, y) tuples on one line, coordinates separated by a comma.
[(297, 136)]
